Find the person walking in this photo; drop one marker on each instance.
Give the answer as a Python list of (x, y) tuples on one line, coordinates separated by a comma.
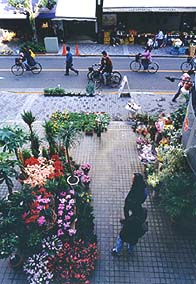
[(69, 62), (184, 83), (134, 227), (160, 37), (137, 194)]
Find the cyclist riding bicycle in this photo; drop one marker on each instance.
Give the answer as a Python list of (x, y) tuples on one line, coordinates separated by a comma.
[(146, 58), (26, 58), (106, 66)]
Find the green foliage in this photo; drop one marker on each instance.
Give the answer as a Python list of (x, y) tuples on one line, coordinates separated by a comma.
[(178, 116), (61, 92), (28, 118), (7, 170), (11, 138), (8, 243), (178, 195), (34, 46)]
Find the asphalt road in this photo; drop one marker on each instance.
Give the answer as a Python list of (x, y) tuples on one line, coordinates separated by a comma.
[(52, 74)]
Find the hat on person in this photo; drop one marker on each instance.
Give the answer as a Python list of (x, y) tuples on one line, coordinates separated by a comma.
[(104, 52)]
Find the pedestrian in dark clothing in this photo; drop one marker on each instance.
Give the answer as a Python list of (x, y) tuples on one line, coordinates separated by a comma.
[(133, 229), (137, 194), (69, 62)]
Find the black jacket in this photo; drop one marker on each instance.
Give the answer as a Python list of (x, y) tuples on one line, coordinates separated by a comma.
[(133, 199), (132, 227)]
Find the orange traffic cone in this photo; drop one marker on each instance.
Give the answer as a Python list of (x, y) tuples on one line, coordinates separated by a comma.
[(64, 52), (77, 50)]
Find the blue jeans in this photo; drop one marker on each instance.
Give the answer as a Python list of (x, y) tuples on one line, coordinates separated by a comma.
[(119, 245)]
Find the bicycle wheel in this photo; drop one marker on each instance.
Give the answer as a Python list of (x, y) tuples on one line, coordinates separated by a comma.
[(135, 66), (17, 70), (118, 74), (115, 80), (37, 68), (186, 66), (153, 67)]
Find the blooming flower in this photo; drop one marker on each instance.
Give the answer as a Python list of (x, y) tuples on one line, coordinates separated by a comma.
[(41, 220)]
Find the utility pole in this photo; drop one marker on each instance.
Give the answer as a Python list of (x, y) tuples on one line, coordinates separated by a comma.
[(99, 15)]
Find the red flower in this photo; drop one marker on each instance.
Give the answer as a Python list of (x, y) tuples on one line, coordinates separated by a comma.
[(31, 161)]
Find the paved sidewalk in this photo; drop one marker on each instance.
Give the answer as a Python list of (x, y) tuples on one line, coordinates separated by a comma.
[(164, 255), (95, 49)]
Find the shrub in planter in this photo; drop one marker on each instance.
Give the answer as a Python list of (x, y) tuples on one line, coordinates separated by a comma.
[(54, 91), (178, 197)]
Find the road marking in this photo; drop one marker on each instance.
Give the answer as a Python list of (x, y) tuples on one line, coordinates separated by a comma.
[(1, 78)]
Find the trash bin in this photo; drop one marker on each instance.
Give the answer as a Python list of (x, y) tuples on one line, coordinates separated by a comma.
[(51, 44)]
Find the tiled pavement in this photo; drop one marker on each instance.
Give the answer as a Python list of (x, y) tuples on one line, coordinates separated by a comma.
[(164, 255)]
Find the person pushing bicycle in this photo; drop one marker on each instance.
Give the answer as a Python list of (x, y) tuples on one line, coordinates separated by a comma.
[(106, 66)]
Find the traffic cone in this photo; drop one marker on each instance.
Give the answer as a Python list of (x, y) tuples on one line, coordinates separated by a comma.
[(64, 52), (77, 50)]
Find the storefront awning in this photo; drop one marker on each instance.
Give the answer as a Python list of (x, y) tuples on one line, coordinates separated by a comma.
[(149, 6), (82, 10)]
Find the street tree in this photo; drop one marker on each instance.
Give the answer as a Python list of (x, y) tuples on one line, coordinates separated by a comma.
[(31, 9)]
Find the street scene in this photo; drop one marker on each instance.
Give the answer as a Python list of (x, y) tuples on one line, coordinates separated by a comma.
[(97, 143)]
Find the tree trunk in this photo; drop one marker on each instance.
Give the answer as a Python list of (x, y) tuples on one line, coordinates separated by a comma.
[(33, 26)]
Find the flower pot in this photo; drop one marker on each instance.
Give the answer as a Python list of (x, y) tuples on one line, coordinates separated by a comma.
[(16, 260), (73, 180)]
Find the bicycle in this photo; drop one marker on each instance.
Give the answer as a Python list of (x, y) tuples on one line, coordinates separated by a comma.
[(189, 65), (136, 65), (19, 67), (113, 79)]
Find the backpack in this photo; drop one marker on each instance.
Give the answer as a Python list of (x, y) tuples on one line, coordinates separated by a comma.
[(31, 53)]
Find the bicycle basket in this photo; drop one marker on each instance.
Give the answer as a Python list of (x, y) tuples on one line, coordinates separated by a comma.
[(137, 57), (17, 61)]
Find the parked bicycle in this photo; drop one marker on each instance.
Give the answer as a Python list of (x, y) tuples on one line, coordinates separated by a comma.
[(19, 67), (136, 65), (189, 65), (113, 79)]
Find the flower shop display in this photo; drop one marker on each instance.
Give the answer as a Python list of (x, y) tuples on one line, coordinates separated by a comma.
[(87, 122), (48, 225), (168, 174)]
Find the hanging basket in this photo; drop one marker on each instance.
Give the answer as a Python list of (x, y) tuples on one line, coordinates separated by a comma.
[(73, 180)]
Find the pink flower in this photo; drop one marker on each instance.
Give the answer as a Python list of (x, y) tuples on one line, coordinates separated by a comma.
[(86, 179), (60, 232), (41, 220), (60, 212), (72, 232)]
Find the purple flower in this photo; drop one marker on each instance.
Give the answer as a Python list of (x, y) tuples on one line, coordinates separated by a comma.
[(71, 201), (72, 232), (72, 192), (63, 193), (60, 232), (67, 217), (86, 179), (60, 212), (68, 207), (41, 220)]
